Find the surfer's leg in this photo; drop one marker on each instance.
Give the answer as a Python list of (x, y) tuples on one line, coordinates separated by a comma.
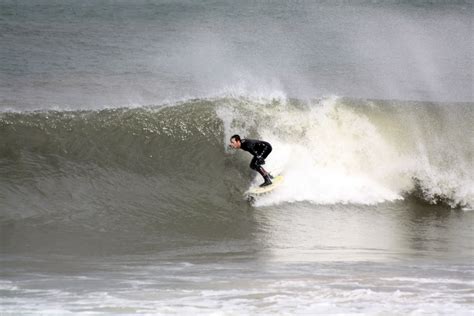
[(266, 151), (262, 171), (254, 164), (264, 154), (266, 176), (257, 167)]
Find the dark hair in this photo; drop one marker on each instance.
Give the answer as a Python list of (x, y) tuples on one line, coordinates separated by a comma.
[(236, 137)]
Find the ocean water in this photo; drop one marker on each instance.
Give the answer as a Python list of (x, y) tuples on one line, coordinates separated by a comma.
[(119, 195)]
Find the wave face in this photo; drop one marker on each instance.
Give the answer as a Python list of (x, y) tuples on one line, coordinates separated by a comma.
[(170, 160)]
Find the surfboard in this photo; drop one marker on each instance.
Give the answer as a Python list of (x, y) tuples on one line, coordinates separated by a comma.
[(257, 190)]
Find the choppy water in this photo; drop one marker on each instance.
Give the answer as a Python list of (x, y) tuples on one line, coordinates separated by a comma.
[(118, 194)]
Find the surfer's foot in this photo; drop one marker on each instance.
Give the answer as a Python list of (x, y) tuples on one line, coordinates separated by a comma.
[(267, 181), (271, 177)]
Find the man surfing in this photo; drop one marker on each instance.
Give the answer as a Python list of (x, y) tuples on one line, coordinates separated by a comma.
[(259, 149)]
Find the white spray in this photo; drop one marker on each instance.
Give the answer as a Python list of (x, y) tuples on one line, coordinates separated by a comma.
[(330, 153)]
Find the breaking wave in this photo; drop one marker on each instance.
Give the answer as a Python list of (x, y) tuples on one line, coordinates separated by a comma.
[(331, 151)]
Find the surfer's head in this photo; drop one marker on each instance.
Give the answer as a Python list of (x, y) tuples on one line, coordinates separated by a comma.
[(235, 141)]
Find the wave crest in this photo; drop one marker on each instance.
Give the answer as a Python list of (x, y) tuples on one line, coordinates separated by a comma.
[(331, 150)]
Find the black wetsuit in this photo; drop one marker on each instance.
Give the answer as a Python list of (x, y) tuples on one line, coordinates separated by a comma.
[(260, 150)]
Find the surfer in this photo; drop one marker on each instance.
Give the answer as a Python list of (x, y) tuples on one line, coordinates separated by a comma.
[(259, 149)]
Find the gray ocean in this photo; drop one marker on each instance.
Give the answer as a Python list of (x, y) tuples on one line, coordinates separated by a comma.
[(119, 195)]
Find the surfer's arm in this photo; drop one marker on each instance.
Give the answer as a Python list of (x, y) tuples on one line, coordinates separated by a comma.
[(253, 152), (249, 147), (257, 156)]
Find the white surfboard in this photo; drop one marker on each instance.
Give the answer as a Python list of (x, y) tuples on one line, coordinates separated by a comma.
[(257, 190)]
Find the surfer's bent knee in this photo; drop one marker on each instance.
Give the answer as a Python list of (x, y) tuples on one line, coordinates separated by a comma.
[(254, 164)]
